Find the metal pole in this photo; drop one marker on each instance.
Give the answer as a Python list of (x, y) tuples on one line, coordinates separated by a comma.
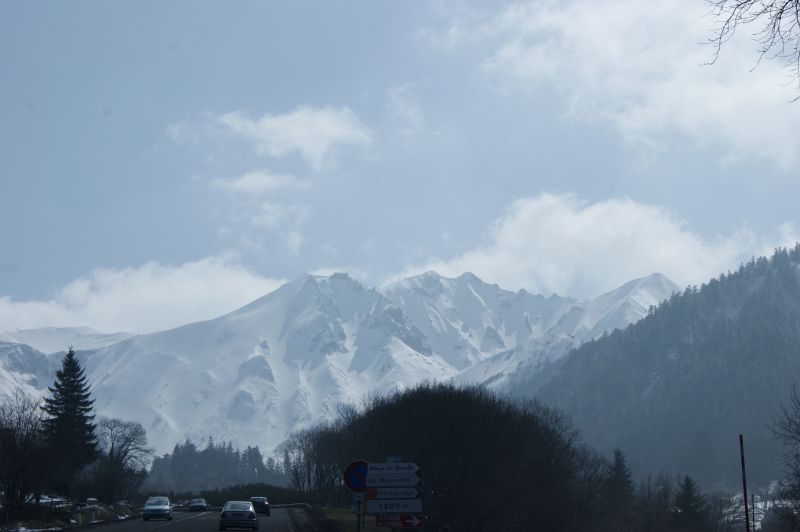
[(744, 485), (358, 515)]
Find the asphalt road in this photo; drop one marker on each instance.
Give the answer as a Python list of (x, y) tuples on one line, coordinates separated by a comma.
[(198, 522)]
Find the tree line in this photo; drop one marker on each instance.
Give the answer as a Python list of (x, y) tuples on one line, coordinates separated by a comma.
[(489, 463), (56, 446), (707, 364), (218, 465)]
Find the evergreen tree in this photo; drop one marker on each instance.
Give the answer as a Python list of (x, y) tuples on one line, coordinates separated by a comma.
[(69, 428), (616, 494), (691, 512)]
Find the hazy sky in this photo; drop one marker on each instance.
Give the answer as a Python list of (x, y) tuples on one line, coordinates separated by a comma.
[(162, 162)]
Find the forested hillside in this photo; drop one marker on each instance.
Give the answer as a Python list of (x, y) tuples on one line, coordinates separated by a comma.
[(188, 468), (675, 389)]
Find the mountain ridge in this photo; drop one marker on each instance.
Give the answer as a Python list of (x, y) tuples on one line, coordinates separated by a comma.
[(676, 388), (290, 358)]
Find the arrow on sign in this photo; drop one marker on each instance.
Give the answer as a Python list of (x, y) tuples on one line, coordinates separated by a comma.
[(398, 521)]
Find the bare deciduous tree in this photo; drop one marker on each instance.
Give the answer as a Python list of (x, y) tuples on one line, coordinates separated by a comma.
[(125, 454), (22, 456), (777, 28), (787, 428)]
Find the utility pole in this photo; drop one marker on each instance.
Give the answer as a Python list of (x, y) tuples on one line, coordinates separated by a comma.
[(744, 486)]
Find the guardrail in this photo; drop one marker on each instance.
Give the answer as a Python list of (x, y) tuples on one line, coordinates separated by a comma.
[(303, 505)]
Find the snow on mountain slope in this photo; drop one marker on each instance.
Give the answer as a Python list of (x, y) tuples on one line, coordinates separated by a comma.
[(290, 358), (577, 323), (617, 309), (23, 368), (55, 339), (281, 363), (467, 320)]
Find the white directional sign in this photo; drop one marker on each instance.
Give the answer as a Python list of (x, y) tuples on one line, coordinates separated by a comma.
[(393, 506), (391, 480), (392, 467), (392, 475)]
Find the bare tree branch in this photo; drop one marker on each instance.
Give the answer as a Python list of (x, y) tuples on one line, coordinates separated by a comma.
[(778, 35)]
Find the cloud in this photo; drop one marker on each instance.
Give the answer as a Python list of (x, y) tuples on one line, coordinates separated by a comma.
[(641, 67), (404, 108), (276, 215), (260, 181), (142, 299), (556, 243), (314, 133), (252, 210)]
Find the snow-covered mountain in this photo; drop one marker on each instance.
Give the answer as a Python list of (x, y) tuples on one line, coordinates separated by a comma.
[(24, 369), (291, 358)]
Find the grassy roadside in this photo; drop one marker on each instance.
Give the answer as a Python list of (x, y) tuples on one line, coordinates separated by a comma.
[(345, 519)]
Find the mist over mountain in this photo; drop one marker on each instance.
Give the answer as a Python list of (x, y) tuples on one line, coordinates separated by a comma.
[(291, 358), (675, 389)]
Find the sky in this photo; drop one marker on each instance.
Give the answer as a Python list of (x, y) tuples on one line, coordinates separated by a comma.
[(172, 162)]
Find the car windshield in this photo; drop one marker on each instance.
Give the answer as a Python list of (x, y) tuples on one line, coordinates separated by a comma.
[(453, 265), (237, 506)]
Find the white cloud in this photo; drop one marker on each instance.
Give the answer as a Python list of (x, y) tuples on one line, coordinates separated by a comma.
[(277, 215), (284, 220), (260, 181), (251, 212), (558, 243), (404, 108), (641, 67), (142, 299), (314, 133)]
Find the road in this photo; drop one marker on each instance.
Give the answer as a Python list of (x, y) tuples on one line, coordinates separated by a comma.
[(198, 522)]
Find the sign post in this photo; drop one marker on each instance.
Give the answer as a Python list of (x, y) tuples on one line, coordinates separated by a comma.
[(744, 485), (389, 490), (355, 478)]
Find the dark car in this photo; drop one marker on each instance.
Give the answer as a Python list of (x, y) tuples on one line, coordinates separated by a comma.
[(261, 504), (238, 514), (198, 505), (157, 508)]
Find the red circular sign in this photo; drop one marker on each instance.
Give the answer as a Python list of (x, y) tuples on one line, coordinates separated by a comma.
[(355, 476)]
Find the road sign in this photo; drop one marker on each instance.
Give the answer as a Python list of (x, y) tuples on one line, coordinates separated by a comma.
[(355, 476), (398, 521), (394, 506), (392, 493), (393, 467), (392, 480)]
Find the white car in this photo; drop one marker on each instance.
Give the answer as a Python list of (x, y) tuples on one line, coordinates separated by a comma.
[(158, 507)]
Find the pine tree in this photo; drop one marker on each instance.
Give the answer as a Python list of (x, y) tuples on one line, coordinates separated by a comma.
[(616, 494), (691, 512), (69, 427)]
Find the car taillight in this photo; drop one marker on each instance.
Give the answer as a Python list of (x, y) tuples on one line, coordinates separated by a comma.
[(252, 515)]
